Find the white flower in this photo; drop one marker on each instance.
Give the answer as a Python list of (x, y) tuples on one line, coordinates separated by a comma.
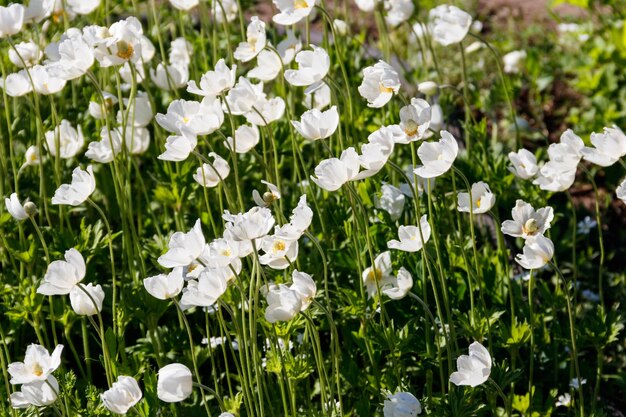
[(564, 400), (76, 57), (341, 27), (253, 224), (37, 393), (300, 220), (11, 19), (292, 11), (216, 82), (209, 287), (38, 10), (391, 200), (318, 99), (183, 248), (180, 52), (109, 146), (514, 61), (269, 197), (15, 208), (621, 191), (32, 156), (331, 174), (414, 120), (436, 117), (380, 83), (174, 383), (178, 147), (304, 286), (411, 237), (82, 7), (576, 383), (38, 365), (139, 116), (401, 404), (524, 164), (165, 286), (201, 118), (283, 304), (246, 138), (82, 186), (44, 81), (256, 39), (376, 153), (610, 146), (279, 253), (428, 88), (184, 5), (99, 110), (555, 177), (315, 125), (378, 275), (398, 11), (137, 139), (399, 287), (449, 24), (289, 47), (266, 111), (243, 96), (123, 394), (526, 221), (437, 157), (366, 5), (121, 43), (17, 84), (269, 65), (70, 140), (82, 304), (538, 251), (481, 202), (25, 54), (170, 77), (474, 369), (210, 175), (227, 12), (312, 67), (62, 276)]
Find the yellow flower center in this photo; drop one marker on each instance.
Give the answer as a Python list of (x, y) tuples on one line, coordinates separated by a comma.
[(226, 252), (530, 227), (279, 246), (478, 203), (38, 370), (375, 274), (192, 267), (124, 50), (185, 120), (410, 128), (300, 4)]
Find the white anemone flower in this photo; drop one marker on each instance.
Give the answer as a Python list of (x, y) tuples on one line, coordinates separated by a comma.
[(38, 10), (17, 84), (514, 61), (215, 82), (379, 275), (284, 304), (170, 77), (164, 286), (380, 83), (139, 116), (398, 11), (25, 54), (401, 404), (62, 276), (449, 24), (76, 58), (181, 51), (289, 47), (292, 11), (538, 251), (256, 39), (225, 11), (312, 67), (391, 200), (109, 146), (99, 110), (269, 65), (318, 99), (44, 81), (246, 138), (174, 383), (15, 208), (526, 221), (411, 237), (366, 5), (251, 225), (621, 191), (243, 97), (82, 186), (315, 125), (279, 253), (11, 19), (123, 394), (210, 286), (300, 220), (210, 175), (268, 197), (398, 288), (70, 140), (38, 394), (376, 153), (38, 365), (184, 5), (86, 305), (304, 286), (200, 118), (473, 370), (437, 157), (609, 147), (178, 147), (82, 7), (121, 43), (183, 248), (414, 120), (331, 174), (266, 111), (481, 202), (524, 164)]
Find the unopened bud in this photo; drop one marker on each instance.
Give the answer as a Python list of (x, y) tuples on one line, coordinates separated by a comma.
[(428, 88), (30, 208)]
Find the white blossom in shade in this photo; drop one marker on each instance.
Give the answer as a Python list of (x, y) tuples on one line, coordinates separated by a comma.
[(411, 237), (526, 221), (266, 111), (256, 40), (437, 157), (70, 140), (15, 208), (38, 365), (391, 200), (210, 175), (318, 99), (246, 138), (414, 120), (137, 139), (283, 304), (164, 286), (376, 153), (398, 11), (127, 74), (401, 404), (62, 276), (292, 11), (514, 61), (44, 82), (120, 43), (76, 58), (105, 150), (98, 110), (268, 197), (474, 369), (215, 82), (32, 156), (148, 50), (170, 77), (481, 201), (139, 116), (621, 191), (225, 11), (243, 96), (564, 400), (11, 19), (37, 393), (538, 251), (123, 394), (181, 51), (315, 125), (279, 253), (82, 304), (269, 65), (524, 164), (304, 286), (366, 5), (184, 5), (609, 147), (38, 10), (312, 67), (25, 54), (378, 275), (210, 286), (398, 288), (380, 83), (200, 118), (289, 47), (178, 147), (436, 117), (174, 383), (82, 186), (449, 24), (183, 248), (300, 220), (331, 174), (17, 84), (576, 383), (253, 224)]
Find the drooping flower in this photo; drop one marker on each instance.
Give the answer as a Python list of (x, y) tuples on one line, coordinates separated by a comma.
[(398, 11), (37, 393), (256, 40), (170, 77), (227, 12), (304, 286), (38, 365), (482, 199), (216, 82), (437, 157), (292, 11), (178, 147), (62, 276), (15, 208), (210, 175), (449, 24), (184, 248), (609, 147), (123, 394), (399, 287), (86, 305), (401, 404), (318, 99), (331, 174), (380, 83), (109, 146), (283, 304), (524, 164), (17, 84), (70, 140), (174, 383), (11, 19), (246, 137), (538, 251), (209, 287), (411, 237), (312, 67), (526, 221), (268, 197), (472, 370), (315, 125), (82, 186), (165, 286), (376, 152)]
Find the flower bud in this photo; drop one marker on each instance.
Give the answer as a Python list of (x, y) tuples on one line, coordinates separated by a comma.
[(30, 208), (174, 383), (428, 88)]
